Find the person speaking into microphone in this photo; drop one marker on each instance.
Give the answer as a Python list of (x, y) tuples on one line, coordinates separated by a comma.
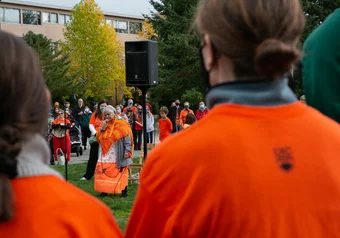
[(115, 154)]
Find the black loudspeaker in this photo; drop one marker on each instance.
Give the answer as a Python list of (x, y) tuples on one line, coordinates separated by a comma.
[(141, 63)]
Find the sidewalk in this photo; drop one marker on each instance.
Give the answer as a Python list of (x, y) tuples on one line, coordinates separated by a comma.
[(84, 158)]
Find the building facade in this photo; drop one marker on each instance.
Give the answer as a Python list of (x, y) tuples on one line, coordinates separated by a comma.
[(19, 17)]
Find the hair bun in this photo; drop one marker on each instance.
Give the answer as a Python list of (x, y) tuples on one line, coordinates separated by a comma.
[(274, 58)]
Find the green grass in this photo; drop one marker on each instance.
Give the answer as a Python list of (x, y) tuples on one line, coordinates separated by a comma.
[(120, 207)]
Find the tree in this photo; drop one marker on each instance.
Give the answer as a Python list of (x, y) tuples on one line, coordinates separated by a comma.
[(95, 52), (179, 67), (55, 66), (147, 32), (316, 11), (193, 97)]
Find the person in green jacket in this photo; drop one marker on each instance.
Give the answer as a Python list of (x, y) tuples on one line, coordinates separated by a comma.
[(84, 124), (321, 67)]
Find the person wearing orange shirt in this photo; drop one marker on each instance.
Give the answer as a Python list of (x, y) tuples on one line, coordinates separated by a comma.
[(165, 125), (130, 106), (35, 201), (96, 121), (61, 140), (184, 113), (261, 164)]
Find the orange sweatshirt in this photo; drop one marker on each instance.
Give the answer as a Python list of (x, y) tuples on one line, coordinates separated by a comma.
[(165, 128), (46, 206), (258, 172), (184, 114)]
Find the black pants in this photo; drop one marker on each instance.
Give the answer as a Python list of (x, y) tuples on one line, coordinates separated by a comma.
[(138, 139), (85, 133), (93, 158), (149, 137)]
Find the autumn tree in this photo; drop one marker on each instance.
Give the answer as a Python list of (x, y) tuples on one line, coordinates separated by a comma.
[(54, 64), (95, 52), (147, 32)]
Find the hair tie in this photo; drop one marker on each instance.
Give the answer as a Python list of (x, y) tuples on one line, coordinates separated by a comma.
[(8, 165)]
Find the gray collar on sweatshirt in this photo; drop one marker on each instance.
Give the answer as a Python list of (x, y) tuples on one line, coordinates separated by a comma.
[(33, 158), (260, 93)]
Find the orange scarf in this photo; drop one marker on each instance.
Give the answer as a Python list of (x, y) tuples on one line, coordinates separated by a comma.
[(115, 131)]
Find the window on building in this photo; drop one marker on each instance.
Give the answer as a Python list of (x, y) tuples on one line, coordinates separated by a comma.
[(134, 27), (121, 26), (50, 17), (109, 22), (63, 19), (10, 15), (68, 18), (31, 17)]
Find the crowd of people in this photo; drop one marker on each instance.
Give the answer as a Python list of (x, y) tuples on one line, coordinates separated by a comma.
[(259, 164)]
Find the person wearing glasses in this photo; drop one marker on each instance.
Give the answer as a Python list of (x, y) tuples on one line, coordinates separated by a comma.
[(61, 137)]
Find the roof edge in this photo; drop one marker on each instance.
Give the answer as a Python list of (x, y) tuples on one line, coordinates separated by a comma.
[(49, 6)]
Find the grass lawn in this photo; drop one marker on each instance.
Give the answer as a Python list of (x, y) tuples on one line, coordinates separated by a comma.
[(121, 207)]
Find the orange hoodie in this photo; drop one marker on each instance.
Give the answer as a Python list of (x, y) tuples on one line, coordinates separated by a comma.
[(250, 176), (46, 206)]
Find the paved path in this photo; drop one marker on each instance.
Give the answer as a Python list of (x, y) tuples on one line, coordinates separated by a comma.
[(84, 158)]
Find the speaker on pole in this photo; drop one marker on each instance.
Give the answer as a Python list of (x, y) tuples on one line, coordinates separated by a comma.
[(141, 63), (141, 66)]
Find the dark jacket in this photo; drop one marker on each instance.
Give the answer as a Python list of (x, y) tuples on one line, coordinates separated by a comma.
[(76, 111), (172, 116)]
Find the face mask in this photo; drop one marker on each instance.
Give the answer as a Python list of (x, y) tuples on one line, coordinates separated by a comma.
[(177, 103), (147, 111), (204, 72), (119, 111), (140, 111), (202, 107), (186, 106), (87, 110), (102, 109), (130, 104)]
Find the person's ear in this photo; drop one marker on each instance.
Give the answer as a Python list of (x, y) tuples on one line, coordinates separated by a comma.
[(208, 54)]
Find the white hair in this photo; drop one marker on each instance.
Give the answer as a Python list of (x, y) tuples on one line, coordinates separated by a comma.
[(110, 109)]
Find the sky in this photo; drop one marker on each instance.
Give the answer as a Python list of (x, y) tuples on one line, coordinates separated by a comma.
[(129, 7)]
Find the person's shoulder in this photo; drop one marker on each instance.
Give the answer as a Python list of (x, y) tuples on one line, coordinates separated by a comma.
[(321, 121), (76, 199)]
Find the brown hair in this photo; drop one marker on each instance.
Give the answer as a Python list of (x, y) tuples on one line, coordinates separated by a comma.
[(164, 110), (24, 109), (190, 119), (258, 36)]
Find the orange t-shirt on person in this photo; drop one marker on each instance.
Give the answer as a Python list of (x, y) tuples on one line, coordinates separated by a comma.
[(264, 172), (96, 121), (133, 109), (46, 206), (184, 114), (165, 128), (62, 122)]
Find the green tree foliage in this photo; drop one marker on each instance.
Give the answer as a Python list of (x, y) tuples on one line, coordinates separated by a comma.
[(179, 68), (95, 52), (55, 66), (316, 11), (193, 97)]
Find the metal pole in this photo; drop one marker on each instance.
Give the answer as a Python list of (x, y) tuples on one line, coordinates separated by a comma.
[(144, 123), (65, 144)]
